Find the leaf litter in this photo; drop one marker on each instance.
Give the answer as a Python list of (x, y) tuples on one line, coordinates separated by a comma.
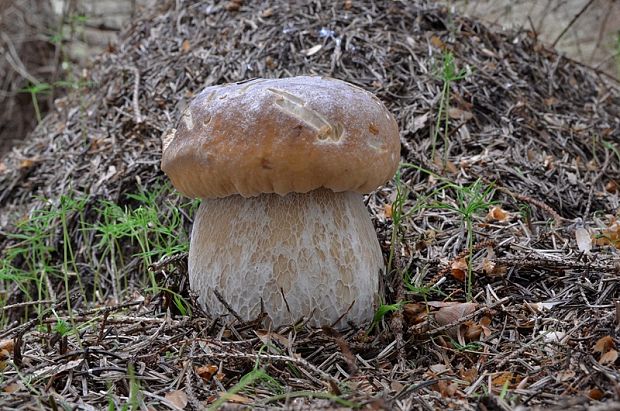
[(522, 322)]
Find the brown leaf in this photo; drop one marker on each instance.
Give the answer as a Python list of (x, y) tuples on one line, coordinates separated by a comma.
[(185, 46), (177, 398), (609, 357), (445, 388), (604, 344), (413, 311), (11, 388), (505, 377), (26, 163), (596, 394), (550, 101), (437, 42), (485, 322), (7, 344), (451, 314), (459, 114), (233, 5), (206, 372), (610, 187), (458, 269), (497, 214), (609, 235), (387, 208), (270, 62), (238, 399), (473, 331), (564, 375), (2, 167), (469, 374)]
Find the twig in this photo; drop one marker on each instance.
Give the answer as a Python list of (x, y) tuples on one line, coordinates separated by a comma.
[(221, 299), (570, 24), (136, 95), (396, 322)]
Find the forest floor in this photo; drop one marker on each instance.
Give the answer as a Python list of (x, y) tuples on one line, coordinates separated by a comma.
[(499, 231)]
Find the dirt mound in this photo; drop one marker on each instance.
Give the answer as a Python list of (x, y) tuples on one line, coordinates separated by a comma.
[(487, 119)]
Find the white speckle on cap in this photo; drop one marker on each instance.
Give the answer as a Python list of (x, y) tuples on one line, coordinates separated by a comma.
[(296, 107), (188, 120), (167, 137)]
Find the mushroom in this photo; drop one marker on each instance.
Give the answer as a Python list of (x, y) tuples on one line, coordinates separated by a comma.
[(281, 166)]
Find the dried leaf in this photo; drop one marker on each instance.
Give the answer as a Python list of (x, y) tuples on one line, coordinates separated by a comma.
[(604, 344), (584, 240), (414, 313), (26, 163), (206, 372), (396, 386), (596, 394), (445, 388), (270, 62), (438, 369), (550, 101), (609, 357), (506, 377), (497, 214), (564, 375), (473, 331), (420, 121), (459, 114), (437, 42), (609, 235), (8, 344), (52, 370), (11, 388), (238, 399), (2, 167), (185, 46), (610, 187), (177, 398), (451, 314), (468, 374), (312, 50), (458, 269)]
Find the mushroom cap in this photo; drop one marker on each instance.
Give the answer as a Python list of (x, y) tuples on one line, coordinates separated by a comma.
[(279, 136)]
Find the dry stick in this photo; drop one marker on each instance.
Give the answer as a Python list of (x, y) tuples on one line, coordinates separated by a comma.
[(396, 323), (273, 357), (136, 94), (221, 299), (189, 373), (570, 24), (26, 303), (593, 183), (102, 328), (543, 206)]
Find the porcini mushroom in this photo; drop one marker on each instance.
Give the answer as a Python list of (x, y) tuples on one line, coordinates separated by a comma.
[(281, 166)]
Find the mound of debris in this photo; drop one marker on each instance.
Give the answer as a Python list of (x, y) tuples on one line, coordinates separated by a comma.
[(486, 118)]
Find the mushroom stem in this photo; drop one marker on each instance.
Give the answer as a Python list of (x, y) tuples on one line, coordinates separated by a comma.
[(318, 249)]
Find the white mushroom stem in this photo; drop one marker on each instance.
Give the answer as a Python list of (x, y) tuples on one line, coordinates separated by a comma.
[(319, 249)]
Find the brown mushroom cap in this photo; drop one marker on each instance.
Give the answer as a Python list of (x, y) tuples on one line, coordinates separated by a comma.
[(279, 136)]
